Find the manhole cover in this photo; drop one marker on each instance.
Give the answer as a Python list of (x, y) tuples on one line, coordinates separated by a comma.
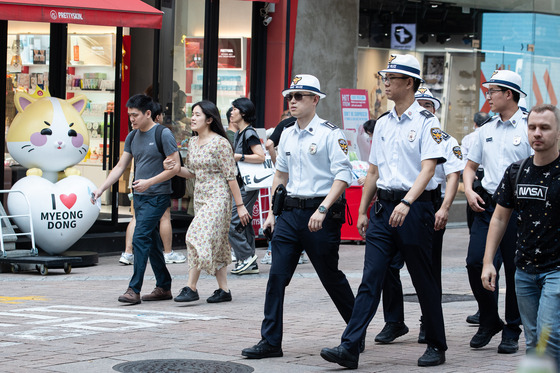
[(182, 365), (445, 298)]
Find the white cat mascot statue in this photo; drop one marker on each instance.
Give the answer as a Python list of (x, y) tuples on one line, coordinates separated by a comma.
[(49, 136)]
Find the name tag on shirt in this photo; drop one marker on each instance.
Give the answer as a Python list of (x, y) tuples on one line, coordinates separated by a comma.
[(488, 139), (287, 153)]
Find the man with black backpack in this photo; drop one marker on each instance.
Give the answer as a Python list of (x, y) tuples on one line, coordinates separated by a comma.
[(531, 188), (152, 191)]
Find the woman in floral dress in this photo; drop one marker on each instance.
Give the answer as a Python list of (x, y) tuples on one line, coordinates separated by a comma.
[(210, 162)]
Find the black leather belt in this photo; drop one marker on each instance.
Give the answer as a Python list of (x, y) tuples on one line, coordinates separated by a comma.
[(302, 203), (397, 195)]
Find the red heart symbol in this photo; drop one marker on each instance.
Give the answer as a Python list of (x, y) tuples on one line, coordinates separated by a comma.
[(69, 200)]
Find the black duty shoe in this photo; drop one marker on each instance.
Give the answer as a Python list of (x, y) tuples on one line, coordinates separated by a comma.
[(341, 356), (474, 319), (432, 357), (187, 295), (262, 350), (391, 331), (220, 296), (508, 346), (422, 334), (484, 335)]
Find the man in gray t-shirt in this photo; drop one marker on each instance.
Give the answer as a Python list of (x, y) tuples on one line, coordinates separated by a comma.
[(152, 190)]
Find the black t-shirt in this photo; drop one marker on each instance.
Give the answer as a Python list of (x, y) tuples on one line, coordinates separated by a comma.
[(538, 205), (244, 140), (275, 137)]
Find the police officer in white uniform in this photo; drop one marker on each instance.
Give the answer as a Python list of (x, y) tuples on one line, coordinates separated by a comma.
[(312, 162), (405, 149), (447, 177), (502, 141)]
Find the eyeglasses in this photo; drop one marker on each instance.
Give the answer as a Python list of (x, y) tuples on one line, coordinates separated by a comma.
[(297, 96), (490, 92), (388, 79), (427, 105)]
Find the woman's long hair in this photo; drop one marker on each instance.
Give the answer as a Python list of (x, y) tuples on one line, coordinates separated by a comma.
[(211, 111)]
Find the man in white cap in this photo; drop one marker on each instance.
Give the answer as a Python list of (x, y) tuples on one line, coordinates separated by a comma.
[(502, 141), (447, 177), (312, 162), (405, 150)]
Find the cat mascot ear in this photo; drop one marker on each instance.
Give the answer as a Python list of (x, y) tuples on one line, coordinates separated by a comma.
[(23, 100), (79, 103)]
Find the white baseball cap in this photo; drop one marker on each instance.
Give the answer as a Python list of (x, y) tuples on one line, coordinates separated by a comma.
[(424, 93), (305, 83), (506, 78), (403, 64)]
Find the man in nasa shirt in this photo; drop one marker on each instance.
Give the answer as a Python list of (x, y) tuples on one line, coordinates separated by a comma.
[(535, 196)]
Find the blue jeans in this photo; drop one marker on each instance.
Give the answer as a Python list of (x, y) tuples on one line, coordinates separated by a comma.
[(146, 241), (538, 297)]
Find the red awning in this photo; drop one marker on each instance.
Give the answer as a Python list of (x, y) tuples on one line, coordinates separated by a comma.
[(122, 13)]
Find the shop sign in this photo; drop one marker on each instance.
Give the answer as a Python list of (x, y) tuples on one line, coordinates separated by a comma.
[(403, 36)]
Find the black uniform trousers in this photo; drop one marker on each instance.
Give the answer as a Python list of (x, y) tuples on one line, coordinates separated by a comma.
[(393, 304), (414, 242), (291, 237), (487, 300)]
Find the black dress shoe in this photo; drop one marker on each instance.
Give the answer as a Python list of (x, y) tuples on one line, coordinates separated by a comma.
[(262, 350), (474, 319), (432, 357), (508, 346), (484, 335), (341, 356), (187, 295), (391, 331)]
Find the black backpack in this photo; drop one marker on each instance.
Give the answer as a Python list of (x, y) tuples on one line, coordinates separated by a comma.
[(515, 173), (178, 183)]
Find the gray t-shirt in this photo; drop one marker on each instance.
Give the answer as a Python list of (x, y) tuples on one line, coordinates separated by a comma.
[(149, 161)]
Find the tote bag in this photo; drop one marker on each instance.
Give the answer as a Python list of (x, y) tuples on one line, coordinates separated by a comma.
[(257, 175)]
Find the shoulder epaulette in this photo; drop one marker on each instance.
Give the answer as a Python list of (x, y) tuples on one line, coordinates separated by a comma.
[(382, 115), (330, 125), (426, 113), (445, 135)]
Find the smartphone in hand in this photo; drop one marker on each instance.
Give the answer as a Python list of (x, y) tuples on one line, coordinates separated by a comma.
[(268, 234)]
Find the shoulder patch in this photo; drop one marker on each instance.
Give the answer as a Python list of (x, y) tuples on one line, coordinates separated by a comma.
[(426, 113), (457, 152), (330, 125), (445, 135), (382, 115), (436, 134), (343, 145)]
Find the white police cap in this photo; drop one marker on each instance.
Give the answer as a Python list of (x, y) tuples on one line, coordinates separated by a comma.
[(403, 64), (305, 83), (506, 78), (424, 93)]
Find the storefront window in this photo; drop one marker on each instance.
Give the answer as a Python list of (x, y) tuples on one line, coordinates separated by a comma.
[(91, 72), (188, 59)]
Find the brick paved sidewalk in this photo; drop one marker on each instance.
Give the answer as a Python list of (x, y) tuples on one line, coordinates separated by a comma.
[(73, 323)]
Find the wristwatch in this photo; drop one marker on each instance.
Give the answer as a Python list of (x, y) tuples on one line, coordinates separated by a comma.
[(322, 209), (242, 157)]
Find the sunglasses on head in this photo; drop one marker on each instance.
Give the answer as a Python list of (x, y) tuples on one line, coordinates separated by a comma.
[(298, 96)]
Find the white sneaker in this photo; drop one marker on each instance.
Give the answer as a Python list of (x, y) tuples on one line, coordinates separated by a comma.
[(126, 259), (174, 257), (267, 258)]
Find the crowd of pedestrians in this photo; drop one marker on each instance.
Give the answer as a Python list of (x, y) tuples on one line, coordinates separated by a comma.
[(511, 178)]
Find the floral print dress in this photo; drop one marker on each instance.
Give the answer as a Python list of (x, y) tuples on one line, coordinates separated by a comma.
[(207, 237)]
